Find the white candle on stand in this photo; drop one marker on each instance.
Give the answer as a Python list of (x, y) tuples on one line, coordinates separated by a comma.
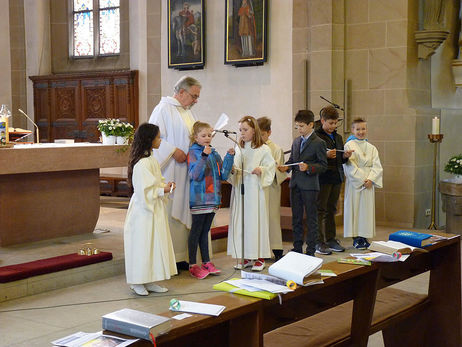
[(435, 126)]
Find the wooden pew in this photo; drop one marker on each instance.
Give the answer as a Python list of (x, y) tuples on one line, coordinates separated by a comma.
[(332, 327)]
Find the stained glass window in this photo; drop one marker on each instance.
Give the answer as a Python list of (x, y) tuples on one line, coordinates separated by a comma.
[(83, 34), (109, 31), (96, 21), (83, 5), (109, 3)]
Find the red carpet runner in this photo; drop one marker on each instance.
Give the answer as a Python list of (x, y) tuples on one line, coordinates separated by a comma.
[(44, 266)]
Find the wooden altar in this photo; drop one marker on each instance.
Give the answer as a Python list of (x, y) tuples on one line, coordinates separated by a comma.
[(52, 190)]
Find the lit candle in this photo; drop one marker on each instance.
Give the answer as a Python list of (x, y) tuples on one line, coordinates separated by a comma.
[(435, 126)]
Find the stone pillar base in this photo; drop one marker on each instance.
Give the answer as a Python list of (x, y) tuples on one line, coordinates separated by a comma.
[(451, 194)]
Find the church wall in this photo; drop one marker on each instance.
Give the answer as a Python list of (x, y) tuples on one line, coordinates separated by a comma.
[(37, 44), (259, 91), (5, 60), (388, 86), (18, 63), (445, 96)]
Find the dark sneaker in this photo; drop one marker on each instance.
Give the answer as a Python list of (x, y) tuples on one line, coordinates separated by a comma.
[(277, 254), (366, 243), (335, 246), (297, 250), (358, 243), (322, 248)]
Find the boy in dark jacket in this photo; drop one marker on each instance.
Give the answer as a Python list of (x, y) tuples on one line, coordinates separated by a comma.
[(307, 160), (330, 181)]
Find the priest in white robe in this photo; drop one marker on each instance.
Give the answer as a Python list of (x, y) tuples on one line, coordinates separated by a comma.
[(363, 173), (256, 203), (174, 117)]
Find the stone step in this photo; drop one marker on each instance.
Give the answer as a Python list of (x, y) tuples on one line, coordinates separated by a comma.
[(71, 277)]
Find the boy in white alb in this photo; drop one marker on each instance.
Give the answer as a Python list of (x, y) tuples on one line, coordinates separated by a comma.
[(363, 173)]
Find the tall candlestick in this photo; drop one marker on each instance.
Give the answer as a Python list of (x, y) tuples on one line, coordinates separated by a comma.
[(435, 126)]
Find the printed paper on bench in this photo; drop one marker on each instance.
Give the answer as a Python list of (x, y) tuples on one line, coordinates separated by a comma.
[(199, 307), (296, 267)]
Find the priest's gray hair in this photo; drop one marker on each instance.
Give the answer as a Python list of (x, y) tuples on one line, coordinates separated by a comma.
[(185, 83)]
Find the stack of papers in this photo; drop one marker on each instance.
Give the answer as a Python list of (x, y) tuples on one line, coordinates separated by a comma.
[(379, 257), (297, 267)]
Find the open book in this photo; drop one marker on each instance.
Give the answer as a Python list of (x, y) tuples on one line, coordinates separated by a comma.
[(136, 323), (390, 247), (297, 267)]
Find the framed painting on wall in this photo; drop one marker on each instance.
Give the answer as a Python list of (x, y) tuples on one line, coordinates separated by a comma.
[(246, 28), (186, 21)]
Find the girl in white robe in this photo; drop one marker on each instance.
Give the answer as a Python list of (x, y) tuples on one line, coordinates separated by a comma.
[(149, 254), (363, 173), (258, 174)]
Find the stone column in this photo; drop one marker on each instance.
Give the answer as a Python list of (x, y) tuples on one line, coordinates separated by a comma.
[(5, 60), (451, 194)]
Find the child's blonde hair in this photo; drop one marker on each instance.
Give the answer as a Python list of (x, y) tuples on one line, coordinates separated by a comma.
[(257, 140), (196, 129), (357, 121)]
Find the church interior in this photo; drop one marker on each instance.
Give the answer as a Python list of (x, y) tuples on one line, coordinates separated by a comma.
[(394, 63)]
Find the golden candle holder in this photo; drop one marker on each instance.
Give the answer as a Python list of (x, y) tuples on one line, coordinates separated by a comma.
[(435, 139), (87, 249)]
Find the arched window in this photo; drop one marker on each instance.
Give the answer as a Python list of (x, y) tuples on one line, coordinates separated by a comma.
[(95, 28)]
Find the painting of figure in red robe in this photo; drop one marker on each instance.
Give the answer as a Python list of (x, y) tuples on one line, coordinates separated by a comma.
[(246, 31), (186, 34)]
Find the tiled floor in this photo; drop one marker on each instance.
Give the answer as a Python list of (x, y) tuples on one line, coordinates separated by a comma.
[(35, 320)]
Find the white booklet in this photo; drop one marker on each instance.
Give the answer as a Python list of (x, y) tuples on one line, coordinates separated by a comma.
[(199, 307), (297, 267)]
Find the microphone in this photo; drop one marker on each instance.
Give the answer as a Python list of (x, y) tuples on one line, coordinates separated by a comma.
[(225, 132), (36, 127), (333, 104)]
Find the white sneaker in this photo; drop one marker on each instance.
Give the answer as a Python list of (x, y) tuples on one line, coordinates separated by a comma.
[(259, 265), (152, 287), (139, 289), (247, 263)]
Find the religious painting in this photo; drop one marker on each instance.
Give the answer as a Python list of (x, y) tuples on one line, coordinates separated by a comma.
[(246, 32), (186, 20)]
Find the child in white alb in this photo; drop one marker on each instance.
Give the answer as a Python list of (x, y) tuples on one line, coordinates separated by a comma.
[(254, 164)]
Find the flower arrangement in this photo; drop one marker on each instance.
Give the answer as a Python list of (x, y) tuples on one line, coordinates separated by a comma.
[(115, 127), (454, 165), (107, 126), (124, 130)]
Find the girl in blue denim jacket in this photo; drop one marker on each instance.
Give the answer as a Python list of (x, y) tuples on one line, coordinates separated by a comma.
[(206, 170)]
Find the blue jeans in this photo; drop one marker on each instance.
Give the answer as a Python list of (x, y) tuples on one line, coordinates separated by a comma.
[(199, 236)]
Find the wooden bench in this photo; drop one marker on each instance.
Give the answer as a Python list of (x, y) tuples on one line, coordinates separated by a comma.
[(114, 185), (332, 327)]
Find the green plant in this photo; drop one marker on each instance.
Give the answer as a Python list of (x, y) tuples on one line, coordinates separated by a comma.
[(124, 130), (108, 126), (454, 165)]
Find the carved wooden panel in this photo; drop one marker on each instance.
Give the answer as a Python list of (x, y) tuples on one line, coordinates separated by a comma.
[(42, 114), (70, 105)]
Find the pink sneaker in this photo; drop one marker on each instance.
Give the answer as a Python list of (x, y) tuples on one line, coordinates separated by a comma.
[(210, 268), (197, 272)]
